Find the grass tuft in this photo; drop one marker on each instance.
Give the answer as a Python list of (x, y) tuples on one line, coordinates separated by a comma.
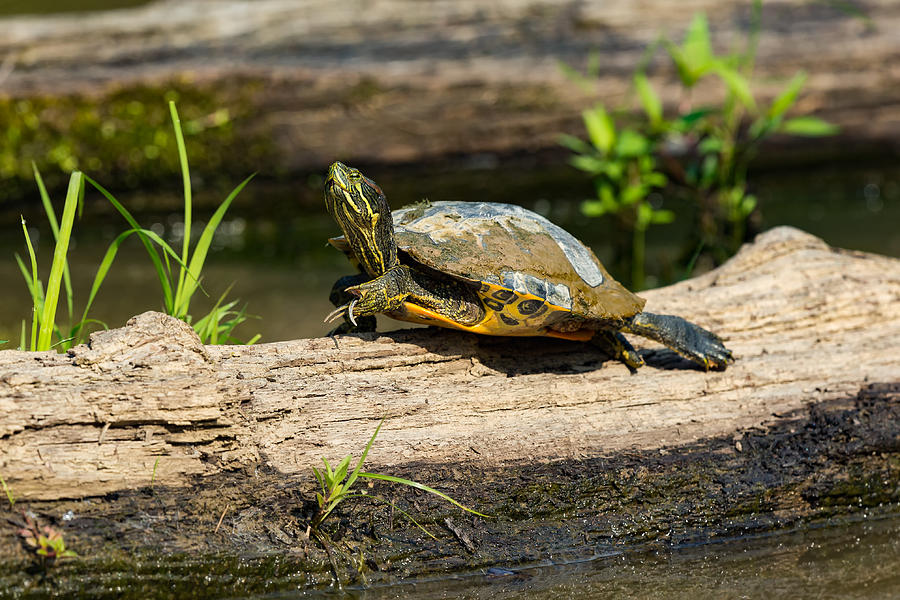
[(336, 486), (180, 284)]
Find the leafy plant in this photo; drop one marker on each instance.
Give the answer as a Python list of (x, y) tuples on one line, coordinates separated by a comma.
[(624, 172), (47, 542), (180, 284), (717, 143), (705, 150), (337, 486)]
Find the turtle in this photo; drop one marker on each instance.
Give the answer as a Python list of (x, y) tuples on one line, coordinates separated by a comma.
[(488, 268)]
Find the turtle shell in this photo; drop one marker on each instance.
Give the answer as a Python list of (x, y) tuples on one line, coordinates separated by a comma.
[(530, 273)]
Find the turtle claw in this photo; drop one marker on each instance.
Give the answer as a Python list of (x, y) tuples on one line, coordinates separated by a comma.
[(350, 311), (335, 314), (340, 310)]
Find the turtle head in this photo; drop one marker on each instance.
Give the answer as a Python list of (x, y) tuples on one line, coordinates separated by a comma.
[(360, 208)]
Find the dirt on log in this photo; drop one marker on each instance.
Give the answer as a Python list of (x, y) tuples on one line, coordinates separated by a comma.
[(806, 419)]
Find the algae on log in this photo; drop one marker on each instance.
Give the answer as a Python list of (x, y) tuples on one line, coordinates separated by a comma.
[(815, 332)]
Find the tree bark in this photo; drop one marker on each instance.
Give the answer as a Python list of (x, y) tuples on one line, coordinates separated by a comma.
[(808, 324)]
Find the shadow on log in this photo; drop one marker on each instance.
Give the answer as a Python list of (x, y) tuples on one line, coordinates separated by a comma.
[(538, 432)]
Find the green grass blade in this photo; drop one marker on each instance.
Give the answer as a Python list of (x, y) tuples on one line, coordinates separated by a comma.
[(365, 453), (423, 487), (341, 470), (79, 328), (33, 281), (202, 247), (319, 479), (54, 227), (61, 342), (37, 295), (8, 491), (161, 272), (37, 303), (253, 340), (22, 337), (186, 181), (45, 199), (34, 330), (48, 317), (37, 300)]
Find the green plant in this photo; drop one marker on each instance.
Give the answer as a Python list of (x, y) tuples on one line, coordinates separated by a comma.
[(8, 491), (153, 474), (718, 142), (45, 302), (47, 542), (624, 172), (704, 151), (337, 486), (179, 285)]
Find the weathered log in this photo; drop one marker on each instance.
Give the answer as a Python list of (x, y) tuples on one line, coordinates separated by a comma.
[(807, 323)]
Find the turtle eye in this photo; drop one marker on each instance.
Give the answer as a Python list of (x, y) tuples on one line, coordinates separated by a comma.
[(354, 175)]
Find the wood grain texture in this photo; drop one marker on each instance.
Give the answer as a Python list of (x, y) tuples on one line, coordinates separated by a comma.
[(806, 322)]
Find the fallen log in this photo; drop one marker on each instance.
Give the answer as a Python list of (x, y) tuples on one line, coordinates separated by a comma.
[(805, 422)]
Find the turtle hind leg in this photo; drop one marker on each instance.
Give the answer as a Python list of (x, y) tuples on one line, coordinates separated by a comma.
[(341, 297), (690, 341), (615, 344)]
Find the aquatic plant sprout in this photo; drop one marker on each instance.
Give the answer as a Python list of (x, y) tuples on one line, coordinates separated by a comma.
[(45, 301), (218, 324), (334, 488), (713, 145)]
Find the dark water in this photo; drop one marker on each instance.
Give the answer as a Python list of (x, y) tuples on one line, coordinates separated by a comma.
[(857, 559), (272, 246)]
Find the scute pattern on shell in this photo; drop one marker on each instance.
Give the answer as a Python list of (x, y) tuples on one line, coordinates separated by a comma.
[(512, 247)]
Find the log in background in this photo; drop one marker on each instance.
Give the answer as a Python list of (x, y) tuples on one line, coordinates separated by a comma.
[(429, 80)]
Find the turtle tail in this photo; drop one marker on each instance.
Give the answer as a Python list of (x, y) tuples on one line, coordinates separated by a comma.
[(690, 341)]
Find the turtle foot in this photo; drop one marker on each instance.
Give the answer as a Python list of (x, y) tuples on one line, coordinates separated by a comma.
[(690, 341)]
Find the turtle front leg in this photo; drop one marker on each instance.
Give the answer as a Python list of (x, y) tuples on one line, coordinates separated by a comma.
[(382, 294), (341, 298)]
